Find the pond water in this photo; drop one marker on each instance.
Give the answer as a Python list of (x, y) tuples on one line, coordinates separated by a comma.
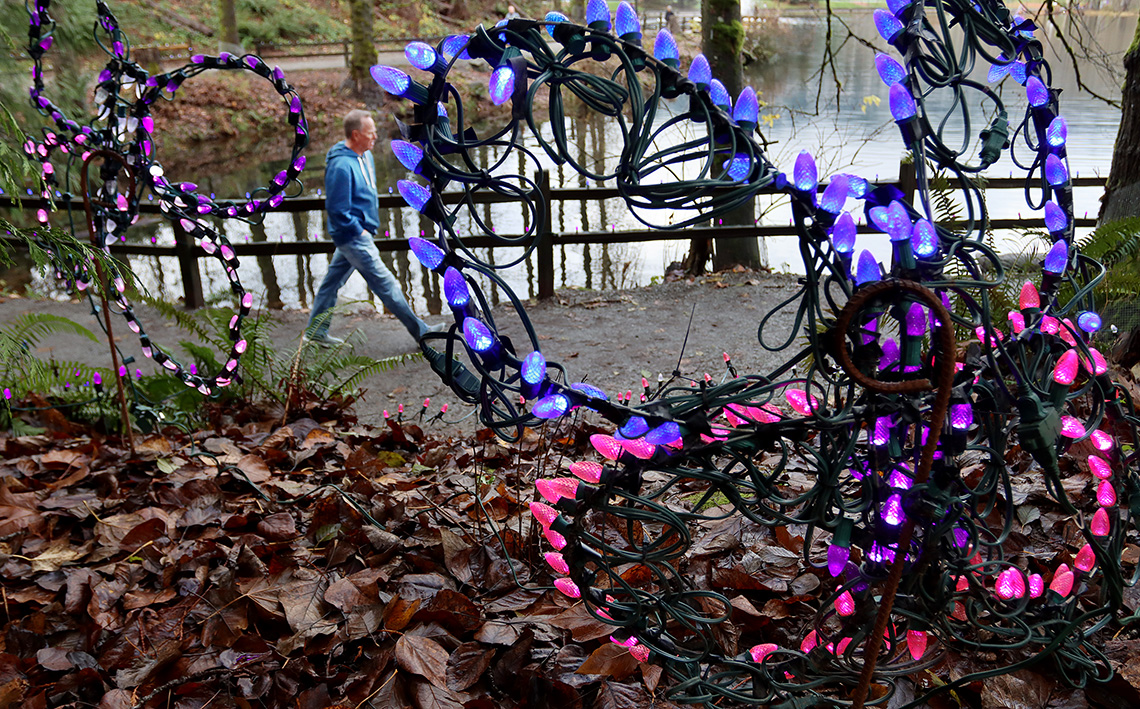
[(858, 137)]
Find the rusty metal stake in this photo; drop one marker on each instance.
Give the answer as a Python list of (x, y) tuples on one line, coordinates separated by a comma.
[(937, 417), (103, 284)]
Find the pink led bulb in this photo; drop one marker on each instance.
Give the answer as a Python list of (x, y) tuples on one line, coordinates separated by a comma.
[(801, 401), (916, 643), (1036, 585), (1062, 583), (1086, 559), (845, 604), (1029, 297), (1066, 370), (759, 652), (1010, 584), (1102, 441), (1071, 427), (1105, 494), (556, 540), (567, 587), (555, 489), (557, 562), (609, 448), (589, 471), (1100, 525), (1016, 322), (640, 653), (1100, 467), (638, 447), (545, 514)]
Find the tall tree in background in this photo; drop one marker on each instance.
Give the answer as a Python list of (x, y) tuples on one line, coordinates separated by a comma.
[(722, 39), (228, 40), (1122, 191), (363, 47)]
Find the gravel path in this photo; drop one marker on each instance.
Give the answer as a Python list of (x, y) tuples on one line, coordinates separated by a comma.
[(611, 338)]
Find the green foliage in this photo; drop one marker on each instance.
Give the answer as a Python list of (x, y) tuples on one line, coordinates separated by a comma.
[(21, 370), (270, 373), (276, 21)]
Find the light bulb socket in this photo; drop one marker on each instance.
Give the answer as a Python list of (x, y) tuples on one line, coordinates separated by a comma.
[(911, 129), (904, 257), (482, 46)]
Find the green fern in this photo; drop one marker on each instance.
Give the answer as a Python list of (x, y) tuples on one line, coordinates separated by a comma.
[(375, 366)]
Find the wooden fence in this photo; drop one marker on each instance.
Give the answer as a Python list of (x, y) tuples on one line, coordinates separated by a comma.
[(188, 253)]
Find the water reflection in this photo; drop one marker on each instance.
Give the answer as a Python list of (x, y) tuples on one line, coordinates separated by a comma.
[(862, 138)]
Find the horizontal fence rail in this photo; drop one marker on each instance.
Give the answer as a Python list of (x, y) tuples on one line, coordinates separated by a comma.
[(188, 253)]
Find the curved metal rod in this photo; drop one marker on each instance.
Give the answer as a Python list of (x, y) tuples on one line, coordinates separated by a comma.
[(943, 388)]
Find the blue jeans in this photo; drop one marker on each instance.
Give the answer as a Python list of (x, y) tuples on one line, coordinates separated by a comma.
[(361, 254)]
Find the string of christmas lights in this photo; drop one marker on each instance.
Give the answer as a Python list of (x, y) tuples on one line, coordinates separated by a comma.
[(897, 447), (121, 135)]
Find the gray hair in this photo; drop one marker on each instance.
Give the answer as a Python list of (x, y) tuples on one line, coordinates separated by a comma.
[(354, 120)]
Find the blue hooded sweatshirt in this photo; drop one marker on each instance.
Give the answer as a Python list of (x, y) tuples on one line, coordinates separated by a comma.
[(350, 186)]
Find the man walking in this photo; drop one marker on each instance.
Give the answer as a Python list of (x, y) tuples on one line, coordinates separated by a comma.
[(350, 185)]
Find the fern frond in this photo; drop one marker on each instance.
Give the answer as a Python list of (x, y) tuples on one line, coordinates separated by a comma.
[(1114, 242), (376, 367), (31, 328)]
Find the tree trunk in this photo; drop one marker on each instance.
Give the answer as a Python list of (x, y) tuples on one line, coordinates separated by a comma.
[(722, 39), (228, 40), (1122, 190), (363, 46)]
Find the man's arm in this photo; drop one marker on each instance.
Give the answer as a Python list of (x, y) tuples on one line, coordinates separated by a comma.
[(338, 202)]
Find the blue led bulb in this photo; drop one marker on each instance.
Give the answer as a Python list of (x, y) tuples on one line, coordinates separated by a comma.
[(635, 427), (398, 83), (1057, 260), (858, 187), (598, 11), (804, 173), (747, 111), (502, 84), (1017, 71), (1036, 92), (1055, 219), (834, 195), (627, 25), (414, 194), (422, 56), (534, 368), (897, 6), (888, 25), (997, 72), (843, 234), (1089, 321), (427, 253), (739, 167), (665, 49), (454, 45), (477, 335), (455, 288), (902, 103), (664, 434), (553, 17), (1055, 171), (441, 110), (1057, 132), (890, 71), (719, 96), (892, 220), (391, 79), (924, 239), (699, 72), (589, 390), (409, 154), (551, 407), (867, 269)]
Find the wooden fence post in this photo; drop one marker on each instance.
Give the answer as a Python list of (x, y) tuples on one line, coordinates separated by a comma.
[(188, 265), (908, 180), (545, 246)]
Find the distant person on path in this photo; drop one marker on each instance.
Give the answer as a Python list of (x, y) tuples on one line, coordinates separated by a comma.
[(351, 203), (511, 13), (671, 22)]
